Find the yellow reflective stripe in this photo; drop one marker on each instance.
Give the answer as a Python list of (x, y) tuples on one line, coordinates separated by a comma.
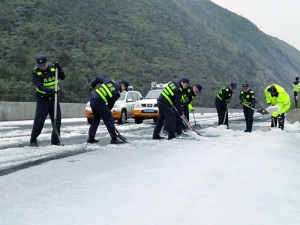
[(167, 97), (52, 69), (218, 96), (169, 90), (183, 99), (101, 92), (50, 83), (38, 90), (39, 73), (101, 95), (107, 90)]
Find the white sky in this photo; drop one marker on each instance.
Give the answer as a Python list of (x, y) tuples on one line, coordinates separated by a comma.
[(228, 177), (278, 18)]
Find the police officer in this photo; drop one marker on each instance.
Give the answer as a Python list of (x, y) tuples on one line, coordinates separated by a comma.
[(102, 100), (187, 97), (170, 96), (222, 99), (296, 89), (43, 78), (248, 99), (277, 96)]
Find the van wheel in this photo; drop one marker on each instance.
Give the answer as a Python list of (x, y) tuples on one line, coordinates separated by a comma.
[(138, 120), (123, 117), (89, 120)]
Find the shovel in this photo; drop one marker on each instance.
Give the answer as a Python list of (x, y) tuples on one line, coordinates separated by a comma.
[(196, 126), (261, 111), (55, 107), (186, 123), (121, 136)]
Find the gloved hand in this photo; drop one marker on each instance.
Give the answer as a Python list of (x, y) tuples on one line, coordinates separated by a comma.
[(192, 110), (241, 102), (52, 92), (252, 106), (56, 65)]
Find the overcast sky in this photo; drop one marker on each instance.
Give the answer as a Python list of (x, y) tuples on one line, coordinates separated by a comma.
[(278, 18)]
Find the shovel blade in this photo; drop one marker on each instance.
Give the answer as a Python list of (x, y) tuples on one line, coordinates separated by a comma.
[(263, 112), (122, 138), (197, 126)]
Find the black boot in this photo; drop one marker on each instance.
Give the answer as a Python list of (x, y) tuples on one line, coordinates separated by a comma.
[(58, 144), (92, 140), (171, 136), (158, 138), (117, 141), (34, 143)]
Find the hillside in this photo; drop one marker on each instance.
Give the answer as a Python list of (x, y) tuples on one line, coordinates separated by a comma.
[(141, 41)]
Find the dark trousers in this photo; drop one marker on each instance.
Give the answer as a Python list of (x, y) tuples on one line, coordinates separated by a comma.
[(45, 107), (101, 111), (166, 118), (279, 119), (248, 113), (222, 113)]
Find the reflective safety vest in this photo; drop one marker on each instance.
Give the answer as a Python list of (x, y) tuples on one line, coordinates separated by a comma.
[(187, 96), (168, 92), (296, 87), (247, 97), (229, 95), (48, 79), (282, 101), (106, 91)]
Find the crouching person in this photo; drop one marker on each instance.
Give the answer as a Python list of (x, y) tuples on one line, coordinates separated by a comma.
[(279, 100)]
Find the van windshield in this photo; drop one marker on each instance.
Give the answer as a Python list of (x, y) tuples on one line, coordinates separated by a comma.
[(153, 94)]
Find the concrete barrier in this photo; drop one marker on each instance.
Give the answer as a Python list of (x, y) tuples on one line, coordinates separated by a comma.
[(26, 110)]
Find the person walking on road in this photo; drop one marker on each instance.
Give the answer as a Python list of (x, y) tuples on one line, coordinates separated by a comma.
[(222, 99), (102, 101), (279, 100), (296, 89), (43, 78), (247, 99), (168, 99)]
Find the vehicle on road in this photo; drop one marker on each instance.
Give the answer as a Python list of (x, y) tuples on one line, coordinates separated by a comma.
[(147, 107)]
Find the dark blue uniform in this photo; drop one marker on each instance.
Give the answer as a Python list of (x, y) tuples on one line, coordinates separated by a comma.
[(248, 99), (44, 81), (102, 101), (222, 99), (171, 95), (187, 97)]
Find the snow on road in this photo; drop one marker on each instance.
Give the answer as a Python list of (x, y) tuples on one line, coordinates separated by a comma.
[(228, 177)]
